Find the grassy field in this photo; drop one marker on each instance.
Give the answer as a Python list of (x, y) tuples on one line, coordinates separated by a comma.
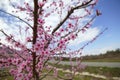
[(61, 76), (108, 72), (103, 60)]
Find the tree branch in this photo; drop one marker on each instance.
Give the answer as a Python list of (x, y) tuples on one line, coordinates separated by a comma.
[(17, 18), (14, 41), (79, 29), (35, 25), (69, 13)]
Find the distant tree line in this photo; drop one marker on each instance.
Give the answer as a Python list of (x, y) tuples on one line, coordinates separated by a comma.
[(108, 55)]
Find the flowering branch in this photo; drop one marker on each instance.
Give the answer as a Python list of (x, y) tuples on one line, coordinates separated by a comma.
[(86, 4), (13, 41)]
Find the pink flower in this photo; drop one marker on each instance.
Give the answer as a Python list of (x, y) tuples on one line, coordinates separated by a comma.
[(83, 30), (57, 34), (21, 9), (20, 76), (30, 75), (41, 4), (28, 39), (13, 71), (41, 21), (61, 42), (37, 47), (72, 36), (54, 3), (17, 44), (8, 39), (65, 40), (9, 60), (43, 52), (61, 30), (46, 52), (70, 25), (60, 46)]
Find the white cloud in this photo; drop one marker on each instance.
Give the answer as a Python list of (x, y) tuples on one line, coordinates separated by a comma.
[(101, 50), (82, 37)]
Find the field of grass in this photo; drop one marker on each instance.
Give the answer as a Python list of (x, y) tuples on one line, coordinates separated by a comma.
[(61, 76), (108, 72), (4, 75), (103, 60)]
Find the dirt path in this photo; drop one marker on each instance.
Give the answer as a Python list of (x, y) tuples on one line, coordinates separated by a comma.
[(90, 74)]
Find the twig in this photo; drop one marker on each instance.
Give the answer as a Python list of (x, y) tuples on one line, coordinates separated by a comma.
[(17, 18)]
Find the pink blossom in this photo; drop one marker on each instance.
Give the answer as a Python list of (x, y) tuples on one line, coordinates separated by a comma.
[(13, 71), (46, 52), (57, 34), (61, 42), (41, 21), (9, 60), (72, 36), (65, 40), (60, 47), (61, 30), (17, 44), (70, 25), (28, 39), (83, 30), (30, 75), (8, 39), (19, 76), (41, 4)]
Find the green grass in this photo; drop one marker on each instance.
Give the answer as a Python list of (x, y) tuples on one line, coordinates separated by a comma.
[(76, 77), (113, 72), (108, 72), (102, 60), (5, 75), (79, 77), (6, 78), (62, 74)]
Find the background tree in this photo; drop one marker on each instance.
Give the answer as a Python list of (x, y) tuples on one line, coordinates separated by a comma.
[(43, 42)]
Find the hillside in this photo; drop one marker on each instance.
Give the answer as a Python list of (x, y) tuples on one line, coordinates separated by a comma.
[(108, 56)]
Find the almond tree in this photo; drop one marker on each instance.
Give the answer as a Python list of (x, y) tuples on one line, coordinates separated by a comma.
[(45, 42)]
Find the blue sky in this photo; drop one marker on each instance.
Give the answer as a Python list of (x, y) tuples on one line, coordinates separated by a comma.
[(110, 18)]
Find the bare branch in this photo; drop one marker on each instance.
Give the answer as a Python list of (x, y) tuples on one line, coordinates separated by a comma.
[(69, 13), (17, 18)]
